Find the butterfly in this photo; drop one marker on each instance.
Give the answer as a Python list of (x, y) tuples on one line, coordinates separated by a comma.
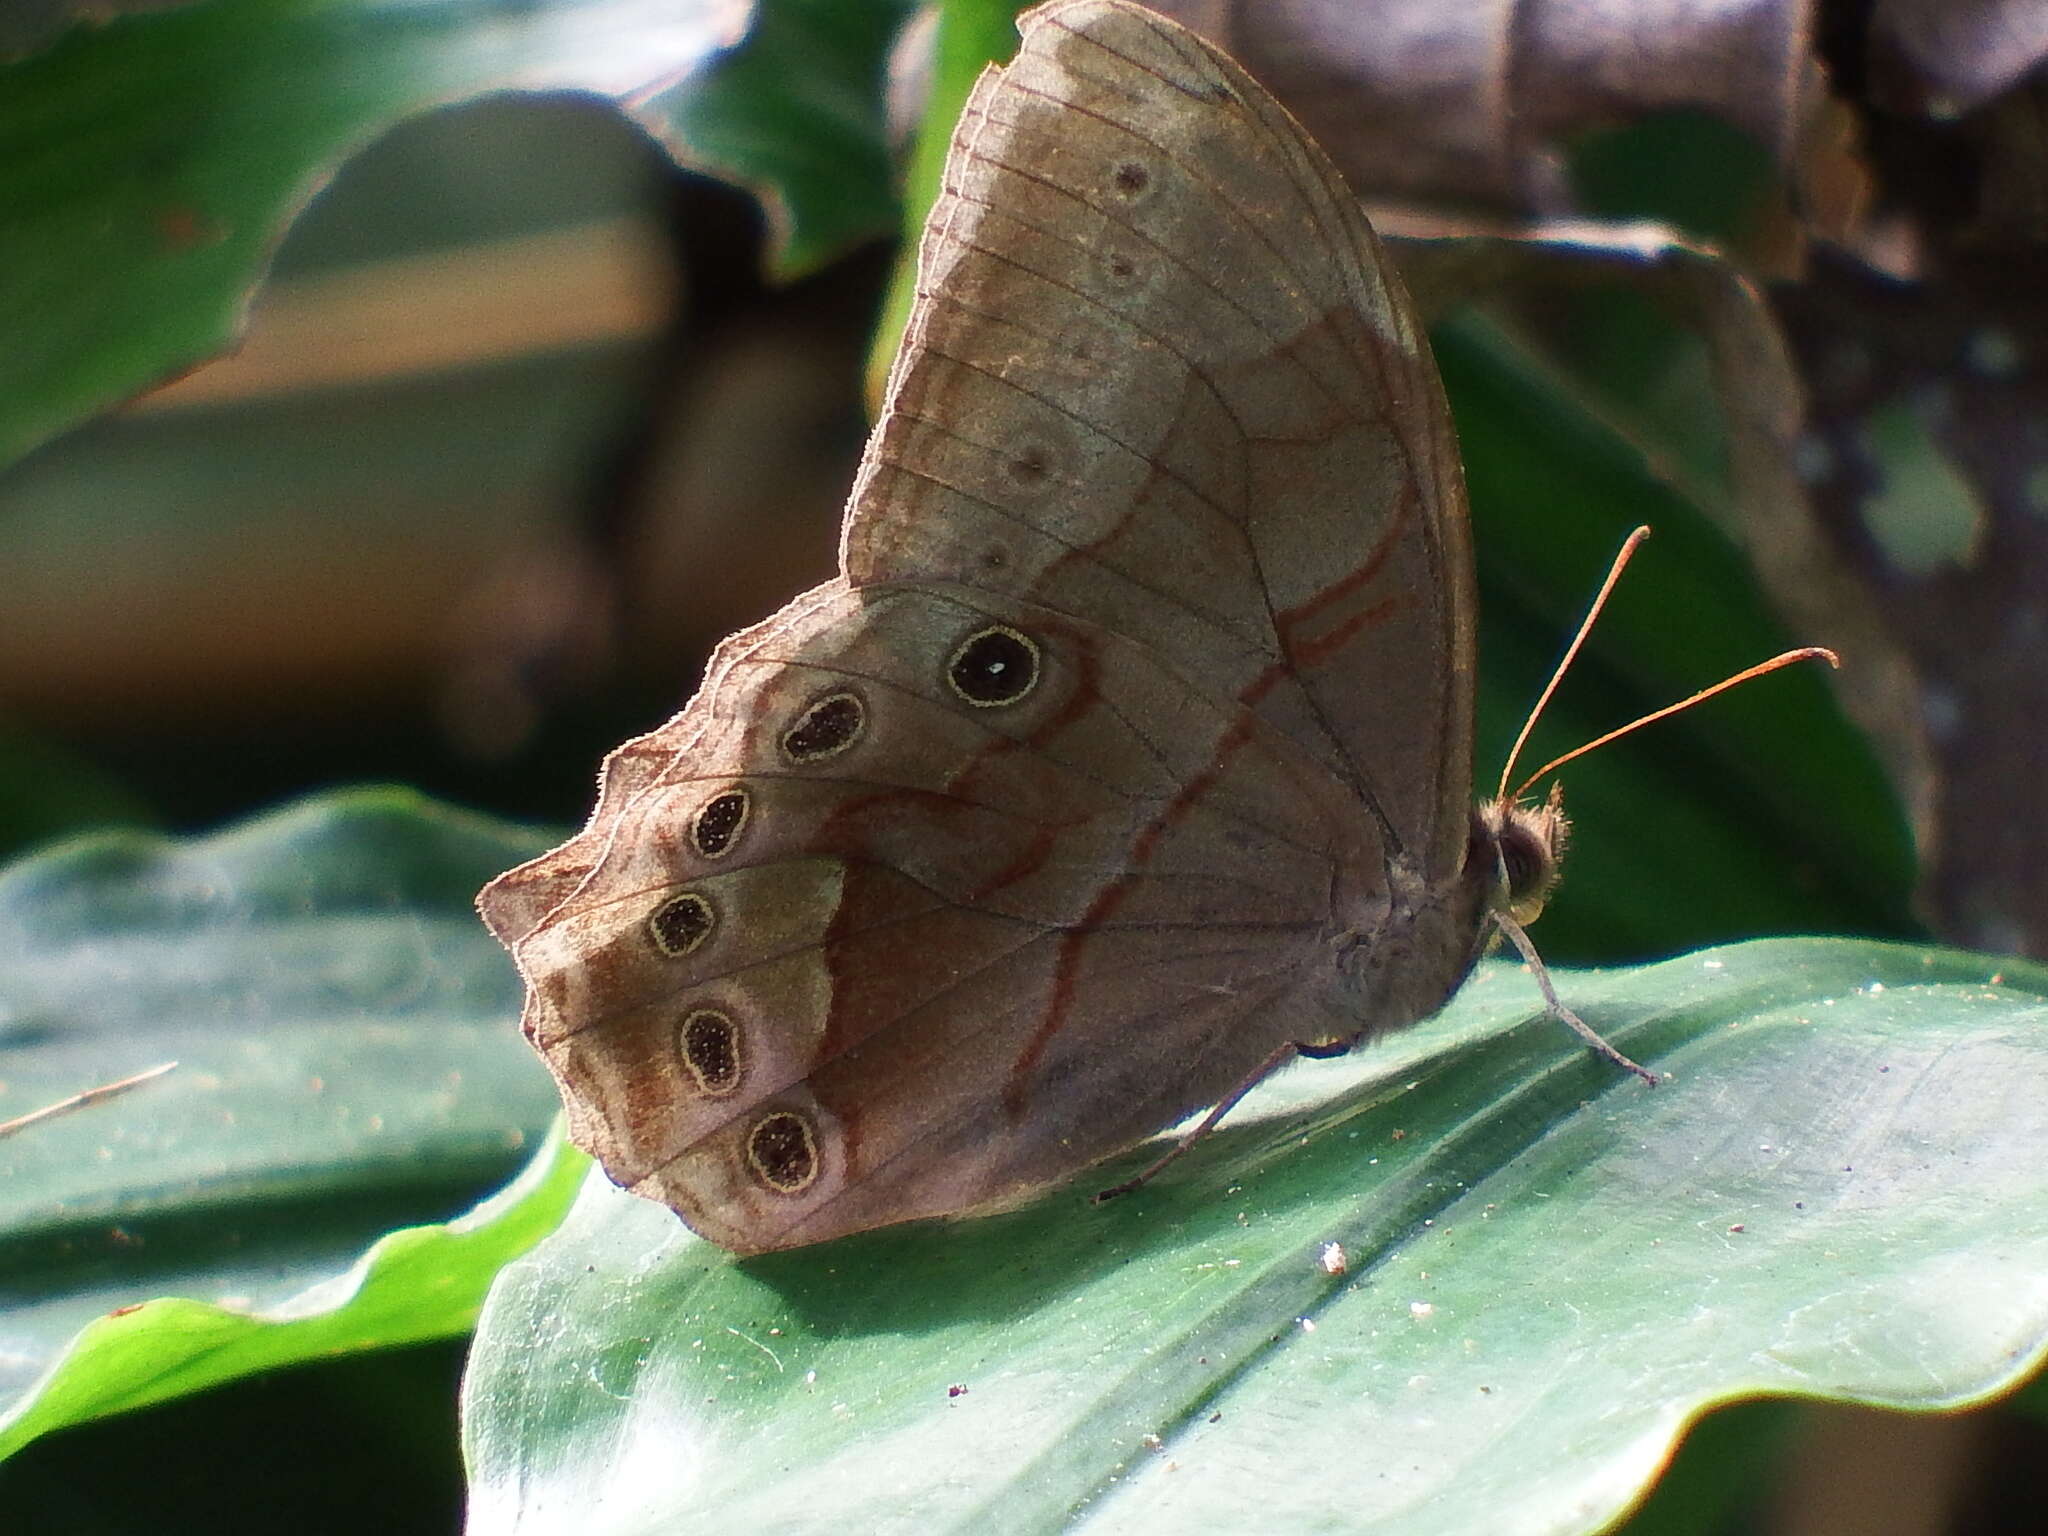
[(1128, 757)]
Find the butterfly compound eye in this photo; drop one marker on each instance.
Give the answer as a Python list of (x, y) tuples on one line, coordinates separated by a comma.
[(1531, 841)]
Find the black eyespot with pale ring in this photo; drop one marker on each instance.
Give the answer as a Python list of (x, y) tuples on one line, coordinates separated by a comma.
[(719, 822), (709, 1043), (827, 728), (682, 923), (993, 667), (782, 1151)]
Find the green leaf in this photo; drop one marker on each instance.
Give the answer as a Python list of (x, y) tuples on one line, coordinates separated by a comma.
[(417, 1283), (796, 117), (150, 163), (348, 1065), (47, 791), (969, 35), (1842, 1191)]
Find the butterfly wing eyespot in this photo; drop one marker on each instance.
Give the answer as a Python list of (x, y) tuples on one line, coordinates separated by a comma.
[(826, 728), (993, 667), (718, 825), (681, 924), (1027, 468), (782, 1152), (709, 1042)]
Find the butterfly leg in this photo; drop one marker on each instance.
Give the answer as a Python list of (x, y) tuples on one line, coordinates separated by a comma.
[(1519, 937), (1279, 1057)]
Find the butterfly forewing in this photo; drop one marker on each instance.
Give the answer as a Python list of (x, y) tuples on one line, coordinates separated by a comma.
[(1159, 373)]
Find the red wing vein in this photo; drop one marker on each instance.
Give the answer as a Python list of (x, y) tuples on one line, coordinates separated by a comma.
[(913, 1058), (1073, 766), (1174, 1010)]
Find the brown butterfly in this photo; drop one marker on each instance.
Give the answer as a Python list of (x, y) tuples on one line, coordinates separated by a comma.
[(1131, 753)]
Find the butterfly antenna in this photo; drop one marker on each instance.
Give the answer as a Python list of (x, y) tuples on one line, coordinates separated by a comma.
[(1782, 659), (1621, 560)]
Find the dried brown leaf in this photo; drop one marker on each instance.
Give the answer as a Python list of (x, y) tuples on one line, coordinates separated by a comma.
[(1473, 105)]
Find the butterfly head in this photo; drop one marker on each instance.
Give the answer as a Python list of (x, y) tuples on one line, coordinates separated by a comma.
[(1525, 846)]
